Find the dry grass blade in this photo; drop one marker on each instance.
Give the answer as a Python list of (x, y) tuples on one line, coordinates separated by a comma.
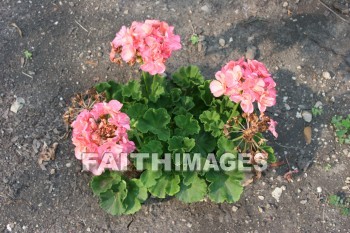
[(18, 29)]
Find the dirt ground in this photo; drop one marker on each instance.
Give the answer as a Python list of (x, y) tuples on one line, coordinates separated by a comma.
[(69, 41)]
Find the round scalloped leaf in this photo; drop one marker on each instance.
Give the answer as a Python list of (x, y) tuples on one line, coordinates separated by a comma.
[(132, 89), (112, 200), (192, 189), (212, 122), (181, 144), (137, 194), (103, 182), (225, 186), (166, 184), (155, 121), (187, 125)]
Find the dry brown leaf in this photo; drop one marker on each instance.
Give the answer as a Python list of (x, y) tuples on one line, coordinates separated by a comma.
[(47, 154), (307, 134)]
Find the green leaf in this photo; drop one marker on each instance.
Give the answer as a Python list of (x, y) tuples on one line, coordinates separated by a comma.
[(205, 143), (181, 144), (185, 76), (137, 193), (271, 154), (212, 122), (155, 121), (149, 178), (132, 89), (152, 146), (205, 93), (226, 146), (225, 186), (102, 183), (112, 200), (175, 94), (153, 86), (114, 92), (166, 184), (194, 39), (136, 110), (187, 125), (193, 190), (101, 87)]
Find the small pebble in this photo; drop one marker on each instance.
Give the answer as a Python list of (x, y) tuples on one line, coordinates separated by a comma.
[(205, 8), (68, 164), (285, 4), (319, 189), (303, 202), (307, 116), (261, 197), (234, 208), (326, 75), (222, 42), (318, 104)]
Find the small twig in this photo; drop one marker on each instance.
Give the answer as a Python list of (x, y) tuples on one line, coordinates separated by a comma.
[(333, 11), (81, 26), (27, 75)]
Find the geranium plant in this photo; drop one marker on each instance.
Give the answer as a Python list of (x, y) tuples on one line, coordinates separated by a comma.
[(171, 135)]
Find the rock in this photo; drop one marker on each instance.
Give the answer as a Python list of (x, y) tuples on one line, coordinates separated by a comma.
[(319, 189), (287, 107), (277, 193), (17, 105), (307, 116), (261, 198), (303, 202), (326, 75), (298, 115), (205, 8), (234, 208), (285, 4), (346, 152), (68, 164), (307, 134), (318, 104), (251, 52), (222, 42)]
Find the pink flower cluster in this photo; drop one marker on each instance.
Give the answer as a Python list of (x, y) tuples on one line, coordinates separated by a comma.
[(152, 41), (100, 137), (245, 82)]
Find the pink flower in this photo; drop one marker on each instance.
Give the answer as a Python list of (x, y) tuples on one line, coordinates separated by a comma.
[(150, 43), (100, 136), (245, 83), (217, 88), (272, 128)]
